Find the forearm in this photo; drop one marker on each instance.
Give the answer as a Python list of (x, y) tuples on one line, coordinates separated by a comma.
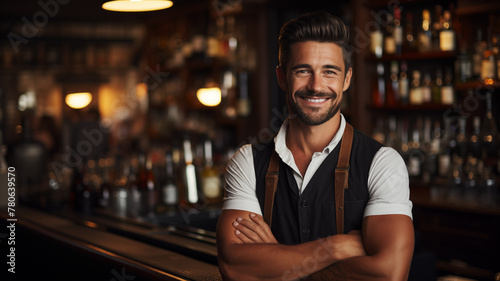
[(275, 261), (358, 268)]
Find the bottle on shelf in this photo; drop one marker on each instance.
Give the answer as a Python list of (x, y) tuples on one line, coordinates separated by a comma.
[(211, 184), (426, 89), (170, 196), (463, 65), (448, 90), (389, 40), (416, 96), (415, 154), (437, 87), (447, 34), (377, 42), (403, 83), (489, 135), (430, 150), (445, 151), (397, 32), (425, 34), (393, 85), (437, 26), (190, 178), (379, 88), (477, 57), (488, 60), (410, 44)]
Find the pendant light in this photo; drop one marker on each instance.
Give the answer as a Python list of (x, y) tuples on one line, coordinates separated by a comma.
[(136, 5)]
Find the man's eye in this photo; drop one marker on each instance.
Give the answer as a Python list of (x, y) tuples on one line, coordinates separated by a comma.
[(330, 72)]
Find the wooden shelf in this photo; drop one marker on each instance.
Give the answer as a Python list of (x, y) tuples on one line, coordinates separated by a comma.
[(412, 56), (477, 85), (427, 107)]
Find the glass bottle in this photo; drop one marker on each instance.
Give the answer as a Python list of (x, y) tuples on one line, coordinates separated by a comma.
[(389, 40), (426, 89), (416, 96), (425, 34), (393, 88), (377, 42), (410, 40), (488, 61), (170, 196), (403, 83), (479, 48), (397, 32), (210, 179), (437, 86), (379, 91), (447, 90), (190, 177), (447, 34), (489, 132)]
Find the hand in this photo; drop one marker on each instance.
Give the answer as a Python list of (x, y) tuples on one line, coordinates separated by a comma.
[(348, 245), (254, 230)]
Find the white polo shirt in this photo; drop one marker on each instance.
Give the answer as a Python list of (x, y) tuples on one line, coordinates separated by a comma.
[(388, 183)]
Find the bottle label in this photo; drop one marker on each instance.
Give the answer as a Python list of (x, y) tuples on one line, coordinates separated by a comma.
[(447, 40), (447, 96), (211, 186), (444, 165)]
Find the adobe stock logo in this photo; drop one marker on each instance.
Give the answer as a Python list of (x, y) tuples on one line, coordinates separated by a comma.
[(40, 19)]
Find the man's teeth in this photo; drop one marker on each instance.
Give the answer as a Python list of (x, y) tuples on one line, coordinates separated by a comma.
[(315, 100)]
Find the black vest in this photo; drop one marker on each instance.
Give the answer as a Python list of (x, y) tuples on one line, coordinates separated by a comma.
[(310, 216)]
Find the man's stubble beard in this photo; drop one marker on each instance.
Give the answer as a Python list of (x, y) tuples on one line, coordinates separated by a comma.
[(309, 119)]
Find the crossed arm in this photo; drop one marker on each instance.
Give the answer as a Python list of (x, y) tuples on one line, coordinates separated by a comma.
[(247, 250)]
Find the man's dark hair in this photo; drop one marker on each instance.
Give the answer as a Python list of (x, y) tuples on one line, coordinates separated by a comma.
[(316, 26)]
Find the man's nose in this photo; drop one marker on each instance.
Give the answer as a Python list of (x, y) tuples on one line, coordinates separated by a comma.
[(315, 83)]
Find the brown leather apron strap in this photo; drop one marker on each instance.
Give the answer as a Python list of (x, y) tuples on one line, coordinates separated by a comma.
[(341, 176), (271, 185)]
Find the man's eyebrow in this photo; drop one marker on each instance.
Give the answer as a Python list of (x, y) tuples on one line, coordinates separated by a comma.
[(336, 67), (304, 65)]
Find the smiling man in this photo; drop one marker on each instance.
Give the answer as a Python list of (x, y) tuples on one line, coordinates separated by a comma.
[(373, 239)]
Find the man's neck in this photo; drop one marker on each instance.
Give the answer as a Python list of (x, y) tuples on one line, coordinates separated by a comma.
[(304, 140)]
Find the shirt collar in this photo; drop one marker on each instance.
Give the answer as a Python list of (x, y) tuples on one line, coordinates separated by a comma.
[(285, 153)]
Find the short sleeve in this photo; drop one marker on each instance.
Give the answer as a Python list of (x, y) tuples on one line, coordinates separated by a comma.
[(388, 185), (240, 182)]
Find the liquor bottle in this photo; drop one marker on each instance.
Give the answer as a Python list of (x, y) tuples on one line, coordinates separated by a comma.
[(426, 89), (445, 150), (425, 34), (244, 105), (437, 87), (403, 83), (392, 136), (488, 60), (389, 40), (379, 89), (447, 90), (415, 156), (474, 145), (393, 85), (210, 179), (190, 175), (397, 32), (376, 42), (463, 65), (447, 34), (479, 48), (410, 40), (416, 96), (147, 188), (429, 168), (437, 26), (170, 196), (489, 131)]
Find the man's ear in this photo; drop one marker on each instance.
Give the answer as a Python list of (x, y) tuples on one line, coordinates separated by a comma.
[(281, 75), (347, 79)]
